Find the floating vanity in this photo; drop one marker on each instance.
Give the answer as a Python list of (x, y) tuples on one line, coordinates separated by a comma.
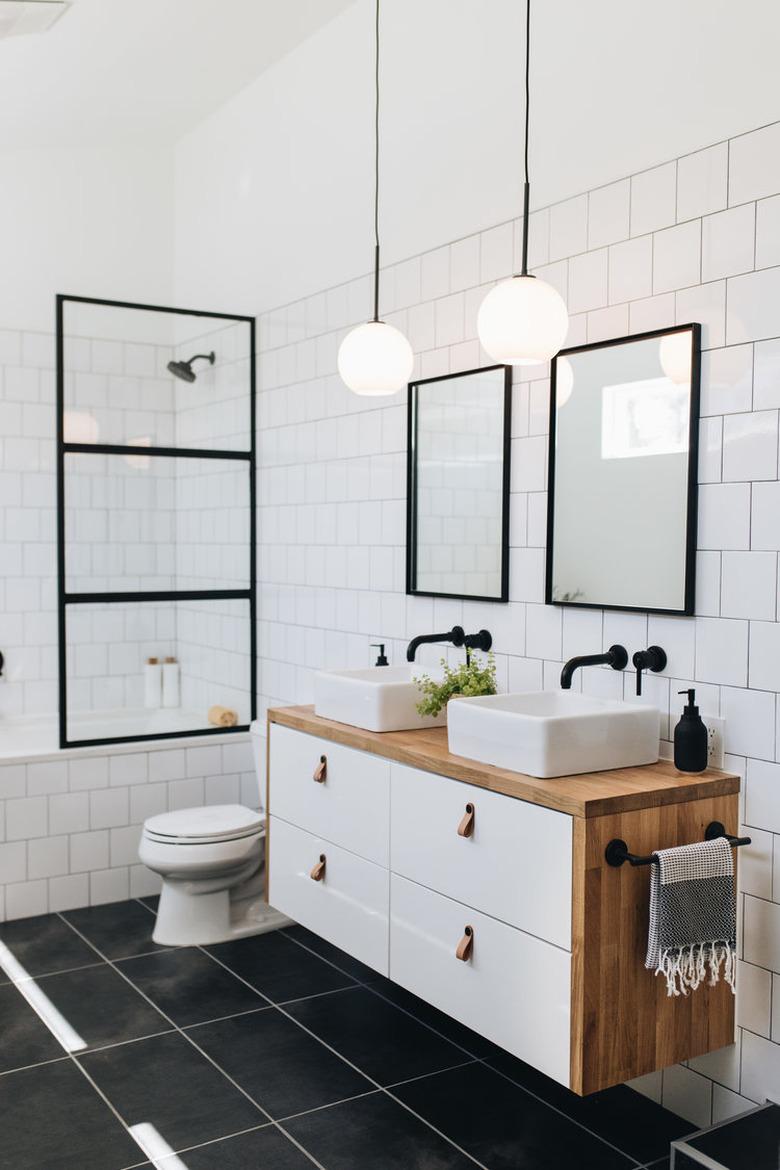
[(486, 892)]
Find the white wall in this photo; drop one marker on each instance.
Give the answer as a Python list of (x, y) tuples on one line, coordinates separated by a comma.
[(92, 221), (274, 189)]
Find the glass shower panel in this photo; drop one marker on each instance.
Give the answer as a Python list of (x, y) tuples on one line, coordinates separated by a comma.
[(155, 523), (118, 387), (155, 536), (109, 695)]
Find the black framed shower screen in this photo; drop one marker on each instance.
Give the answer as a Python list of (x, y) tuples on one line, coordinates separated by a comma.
[(66, 599)]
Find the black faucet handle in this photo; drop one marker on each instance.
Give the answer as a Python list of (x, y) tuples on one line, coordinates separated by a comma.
[(482, 640), (653, 658)]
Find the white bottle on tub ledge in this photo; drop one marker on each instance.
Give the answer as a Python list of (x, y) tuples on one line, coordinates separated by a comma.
[(170, 683), (152, 682)]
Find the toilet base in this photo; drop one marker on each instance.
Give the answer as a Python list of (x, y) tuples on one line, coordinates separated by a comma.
[(190, 919)]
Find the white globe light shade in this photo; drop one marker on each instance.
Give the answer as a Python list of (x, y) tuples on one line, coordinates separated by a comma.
[(675, 357), (522, 321), (375, 359)]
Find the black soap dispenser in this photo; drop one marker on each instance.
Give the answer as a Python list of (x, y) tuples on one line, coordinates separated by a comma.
[(690, 738)]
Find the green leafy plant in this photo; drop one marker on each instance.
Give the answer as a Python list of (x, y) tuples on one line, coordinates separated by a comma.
[(470, 678)]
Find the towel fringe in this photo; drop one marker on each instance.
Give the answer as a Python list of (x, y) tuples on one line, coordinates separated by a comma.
[(685, 968)]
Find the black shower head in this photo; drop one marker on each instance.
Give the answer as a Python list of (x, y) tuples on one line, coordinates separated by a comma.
[(185, 371)]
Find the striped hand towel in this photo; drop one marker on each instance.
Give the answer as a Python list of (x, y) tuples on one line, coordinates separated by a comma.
[(692, 915)]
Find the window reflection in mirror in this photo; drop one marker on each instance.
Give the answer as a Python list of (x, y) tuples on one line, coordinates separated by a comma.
[(458, 485), (623, 454)]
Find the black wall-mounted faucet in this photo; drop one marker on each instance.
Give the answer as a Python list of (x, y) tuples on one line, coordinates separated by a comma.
[(653, 658), (616, 657), (457, 636), (482, 640)]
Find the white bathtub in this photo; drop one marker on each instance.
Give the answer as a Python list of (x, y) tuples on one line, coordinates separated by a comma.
[(32, 736)]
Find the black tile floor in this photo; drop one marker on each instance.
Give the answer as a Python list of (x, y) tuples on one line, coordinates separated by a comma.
[(277, 1052)]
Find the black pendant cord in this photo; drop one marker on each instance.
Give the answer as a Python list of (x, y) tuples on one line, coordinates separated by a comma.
[(526, 184), (376, 168)]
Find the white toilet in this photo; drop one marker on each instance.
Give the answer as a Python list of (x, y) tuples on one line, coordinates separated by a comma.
[(211, 861)]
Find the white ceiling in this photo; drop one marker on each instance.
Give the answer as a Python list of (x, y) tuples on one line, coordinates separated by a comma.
[(142, 71)]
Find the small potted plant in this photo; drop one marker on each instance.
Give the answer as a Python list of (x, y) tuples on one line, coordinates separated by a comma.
[(472, 677)]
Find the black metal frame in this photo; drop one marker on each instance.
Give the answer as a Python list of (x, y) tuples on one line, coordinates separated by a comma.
[(64, 598), (411, 485), (689, 600)]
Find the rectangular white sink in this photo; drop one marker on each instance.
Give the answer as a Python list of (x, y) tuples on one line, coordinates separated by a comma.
[(553, 733), (380, 698)]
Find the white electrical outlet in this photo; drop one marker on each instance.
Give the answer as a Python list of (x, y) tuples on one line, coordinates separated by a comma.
[(715, 728)]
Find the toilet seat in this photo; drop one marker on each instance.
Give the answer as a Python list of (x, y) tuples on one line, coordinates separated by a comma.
[(204, 826)]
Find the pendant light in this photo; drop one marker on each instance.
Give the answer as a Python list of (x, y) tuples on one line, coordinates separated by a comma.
[(523, 321), (375, 358)]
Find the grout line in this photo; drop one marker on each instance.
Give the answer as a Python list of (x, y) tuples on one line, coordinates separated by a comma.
[(36, 1064), (215, 1141), (318, 994), (330, 963), (48, 974), (331, 1105), (140, 900)]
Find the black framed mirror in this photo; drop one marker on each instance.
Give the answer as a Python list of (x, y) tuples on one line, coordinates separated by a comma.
[(457, 485), (622, 486)]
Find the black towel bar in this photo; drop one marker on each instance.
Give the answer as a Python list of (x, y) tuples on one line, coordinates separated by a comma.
[(616, 851)]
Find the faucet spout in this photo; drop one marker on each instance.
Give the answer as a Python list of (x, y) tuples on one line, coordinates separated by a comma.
[(457, 636), (616, 657)]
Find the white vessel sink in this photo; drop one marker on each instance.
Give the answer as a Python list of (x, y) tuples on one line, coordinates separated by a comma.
[(553, 733), (380, 698)]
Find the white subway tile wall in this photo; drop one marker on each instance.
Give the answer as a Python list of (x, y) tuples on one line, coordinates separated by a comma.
[(69, 827), (685, 241)]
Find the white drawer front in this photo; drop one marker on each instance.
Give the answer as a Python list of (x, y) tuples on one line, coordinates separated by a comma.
[(516, 865), (348, 907), (350, 807), (514, 989)]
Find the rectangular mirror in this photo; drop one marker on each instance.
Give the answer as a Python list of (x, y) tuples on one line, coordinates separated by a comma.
[(624, 424), (457, 491)]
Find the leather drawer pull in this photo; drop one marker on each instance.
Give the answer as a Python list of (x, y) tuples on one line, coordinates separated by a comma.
[(321, 771), (318, 872), (466, 826), (464, 947)]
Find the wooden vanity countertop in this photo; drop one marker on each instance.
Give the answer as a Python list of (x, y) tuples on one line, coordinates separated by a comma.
[(592, 794)]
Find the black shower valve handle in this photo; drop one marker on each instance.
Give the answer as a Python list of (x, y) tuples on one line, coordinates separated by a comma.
[(653, 658), (2, 662), (482, 640)]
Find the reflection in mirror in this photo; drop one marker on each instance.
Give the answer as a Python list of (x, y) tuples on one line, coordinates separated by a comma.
[(458, 485), (623, 456)]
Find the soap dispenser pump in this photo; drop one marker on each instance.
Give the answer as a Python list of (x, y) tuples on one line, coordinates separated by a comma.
[(690, 738)]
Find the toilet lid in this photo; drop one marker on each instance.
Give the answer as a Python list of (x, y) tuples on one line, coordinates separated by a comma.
[(219, 822)]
